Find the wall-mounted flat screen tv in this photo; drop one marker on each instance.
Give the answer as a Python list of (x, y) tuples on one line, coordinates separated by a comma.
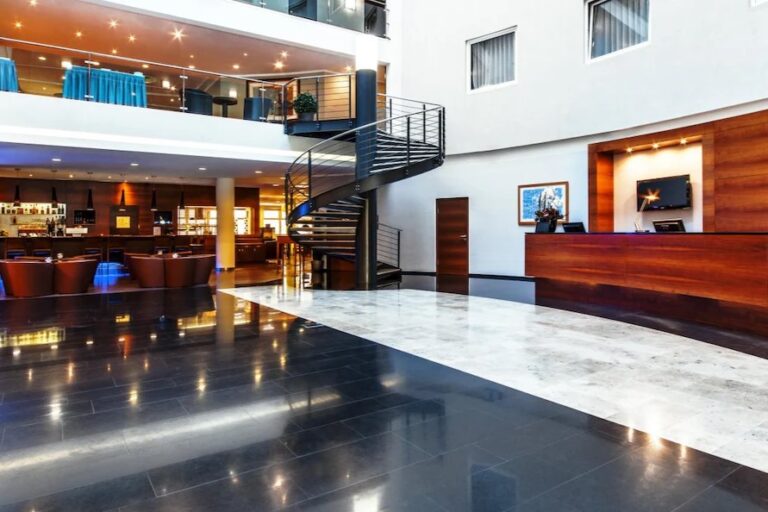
[(673, 192), (82, 217), (163, 218)]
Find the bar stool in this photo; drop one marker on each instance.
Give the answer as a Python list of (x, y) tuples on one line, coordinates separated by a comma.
[(12, 254), (41, 253)]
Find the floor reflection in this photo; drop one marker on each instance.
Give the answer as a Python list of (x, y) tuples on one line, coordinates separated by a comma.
[(192, 400)]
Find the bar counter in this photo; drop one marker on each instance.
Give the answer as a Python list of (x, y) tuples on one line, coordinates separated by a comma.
[(112, 247)]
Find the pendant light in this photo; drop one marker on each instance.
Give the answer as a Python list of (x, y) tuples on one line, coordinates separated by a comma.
[(54, 198), (122, 200), (89, 203), (17, 195)]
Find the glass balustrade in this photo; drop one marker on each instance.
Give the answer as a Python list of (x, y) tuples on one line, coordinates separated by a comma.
[(64, 73), (369, 16)]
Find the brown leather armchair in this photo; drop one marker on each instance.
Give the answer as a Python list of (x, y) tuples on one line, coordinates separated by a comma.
[(74, 275), (203, 266), (179, 272), (28, 278), (148, 271)]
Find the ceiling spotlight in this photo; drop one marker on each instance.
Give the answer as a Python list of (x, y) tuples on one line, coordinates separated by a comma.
[(109, 177), (629, 150), (166, 84), (71, 175), (18, 24), (202, 169), (257, 172), (348, 69), (42, 58), (191, 66), (66, 64), (33, 3), (279, 64), (134, 164), (178, 34), (112, 23), (56, 159), (78, 34), (114, 51), (131, 38), (235, 66), (146, 177), (284, 54), (191, 56), (145, 66), (656, 145), (245, 54), (683, 141), (30, 175)]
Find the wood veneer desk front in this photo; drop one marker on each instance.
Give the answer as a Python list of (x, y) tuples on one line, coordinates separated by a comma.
[(729, 267)]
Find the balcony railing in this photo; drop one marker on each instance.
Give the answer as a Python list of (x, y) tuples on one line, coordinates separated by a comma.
[(368, 16), (45, 69)]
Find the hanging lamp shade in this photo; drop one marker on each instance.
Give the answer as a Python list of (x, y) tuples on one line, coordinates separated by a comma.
[(182, 205), (54, 198), (122, 201), (17, 198), (153, 204), (89, 203)]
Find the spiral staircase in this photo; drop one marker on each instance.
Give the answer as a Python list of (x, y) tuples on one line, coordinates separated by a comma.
[(324, 187)]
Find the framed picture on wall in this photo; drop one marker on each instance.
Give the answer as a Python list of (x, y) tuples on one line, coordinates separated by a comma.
[(538, 196)]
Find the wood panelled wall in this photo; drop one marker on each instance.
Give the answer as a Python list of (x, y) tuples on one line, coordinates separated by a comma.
[(74, 194), (735, 173)]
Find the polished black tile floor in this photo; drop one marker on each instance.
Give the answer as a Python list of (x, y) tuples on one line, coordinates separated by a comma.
[(184, 401)]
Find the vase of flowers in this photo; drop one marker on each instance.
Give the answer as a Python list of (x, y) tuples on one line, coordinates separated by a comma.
[(547, 217)]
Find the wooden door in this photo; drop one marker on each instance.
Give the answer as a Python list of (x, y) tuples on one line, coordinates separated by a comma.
[(452, 245)]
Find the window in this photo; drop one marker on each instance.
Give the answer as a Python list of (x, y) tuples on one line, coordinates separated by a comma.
[(492, 59), (616, 24), (274, 218)]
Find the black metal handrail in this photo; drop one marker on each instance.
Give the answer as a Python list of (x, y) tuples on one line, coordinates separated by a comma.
[(388, 241), (407, 139)]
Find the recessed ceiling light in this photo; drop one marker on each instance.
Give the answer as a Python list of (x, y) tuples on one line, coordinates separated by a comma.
[(30, 175), (191, 56), (178, 34), (629, 150), (145, 66), (683, 141), (42, 58), (112, 23), (56, 159), (134, 164), (284, 54), (276, 184), (78, 34), (114, 51), (656, 145), (146, 177), (202, 169), (245, 54), (131, 38), (33, 3), (257, 172), (279, 64), (166, 84), (191, 66), (71, 175), (66, 64), (109, 177), (18, 24), (235, 66), (349, 69)]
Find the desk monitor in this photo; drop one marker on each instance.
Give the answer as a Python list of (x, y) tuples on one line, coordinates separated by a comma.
[(669, 226), (574, 227)]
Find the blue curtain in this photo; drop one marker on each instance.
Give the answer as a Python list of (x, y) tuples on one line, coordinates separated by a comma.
[(105, 86), (8, 80)]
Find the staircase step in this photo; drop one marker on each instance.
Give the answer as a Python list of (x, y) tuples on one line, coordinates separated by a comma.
[(388, 271)]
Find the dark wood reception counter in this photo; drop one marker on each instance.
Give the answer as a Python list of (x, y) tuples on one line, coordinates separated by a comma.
[(718, 279)]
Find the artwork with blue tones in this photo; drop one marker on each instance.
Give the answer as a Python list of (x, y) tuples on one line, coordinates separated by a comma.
[(531, 198)]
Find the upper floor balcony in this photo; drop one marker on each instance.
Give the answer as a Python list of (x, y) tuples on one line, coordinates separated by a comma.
[(367, 16)]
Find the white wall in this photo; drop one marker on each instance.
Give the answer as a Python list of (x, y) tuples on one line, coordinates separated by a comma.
[(703, 55), (43, 120), (672, 161)]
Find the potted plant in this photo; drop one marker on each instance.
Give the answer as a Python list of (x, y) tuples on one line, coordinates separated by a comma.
[(305, 105), (548, 217)]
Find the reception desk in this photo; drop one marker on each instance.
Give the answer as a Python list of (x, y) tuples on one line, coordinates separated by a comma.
[(714, 278)]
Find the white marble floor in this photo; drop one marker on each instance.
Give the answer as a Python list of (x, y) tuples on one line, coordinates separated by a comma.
[(700, 395)]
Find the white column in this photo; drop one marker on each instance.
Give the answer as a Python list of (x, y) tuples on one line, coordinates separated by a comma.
[(225, 223)]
